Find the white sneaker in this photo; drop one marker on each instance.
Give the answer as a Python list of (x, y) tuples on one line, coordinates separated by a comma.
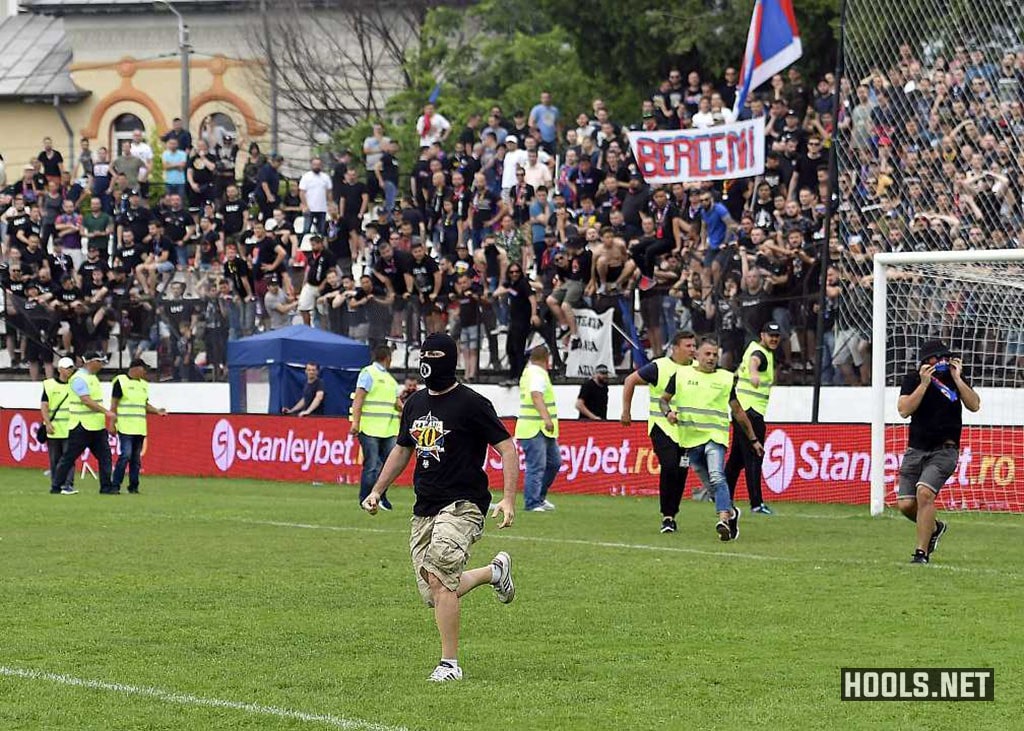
[(445, 672), (69, 491), (504, 587), (548, 505), (538, 509)]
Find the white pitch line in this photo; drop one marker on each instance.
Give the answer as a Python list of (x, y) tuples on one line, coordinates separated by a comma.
[(642, 547), (187, 699)]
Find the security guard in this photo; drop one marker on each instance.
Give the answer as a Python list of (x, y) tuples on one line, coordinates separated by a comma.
[(87, 425), (701, 398), (664, 436), (537, 431), (754, 379), (375, 418), (130, 400), (53, 409)]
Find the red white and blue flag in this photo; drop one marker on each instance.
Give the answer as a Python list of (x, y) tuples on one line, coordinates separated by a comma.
[(773, 43)]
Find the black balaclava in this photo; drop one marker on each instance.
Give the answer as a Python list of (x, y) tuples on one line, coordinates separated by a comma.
[(439, 356)]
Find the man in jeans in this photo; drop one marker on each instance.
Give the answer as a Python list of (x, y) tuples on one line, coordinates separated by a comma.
[(53, 408), (537, 431), (376, 409), (130, 401), (702, 398)]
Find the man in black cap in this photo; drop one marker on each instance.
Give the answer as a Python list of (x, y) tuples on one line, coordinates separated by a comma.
[(933, 397), (754, 379), (87, 421), (450, 427)]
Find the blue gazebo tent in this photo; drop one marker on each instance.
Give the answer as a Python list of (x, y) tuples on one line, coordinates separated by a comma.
[(285, 353)]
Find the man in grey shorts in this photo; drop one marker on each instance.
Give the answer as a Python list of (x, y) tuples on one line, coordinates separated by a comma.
[(933, 397), (450, 427)]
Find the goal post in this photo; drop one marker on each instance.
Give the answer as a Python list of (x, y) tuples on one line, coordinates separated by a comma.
[(974, 301)]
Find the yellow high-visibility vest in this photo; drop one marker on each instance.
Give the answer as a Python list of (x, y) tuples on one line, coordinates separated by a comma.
[(131, 409), (701, 402), (749, 395), (57, 396), (530, 423), (666, 369), (379, 417), (78, 412)]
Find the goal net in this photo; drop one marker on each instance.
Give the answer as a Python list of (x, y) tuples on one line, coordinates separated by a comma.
[(973, 301)]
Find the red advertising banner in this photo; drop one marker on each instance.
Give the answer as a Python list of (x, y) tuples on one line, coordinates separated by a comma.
[(802, 462)]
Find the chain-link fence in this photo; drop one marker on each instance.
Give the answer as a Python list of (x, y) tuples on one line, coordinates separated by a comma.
[(930, 151)]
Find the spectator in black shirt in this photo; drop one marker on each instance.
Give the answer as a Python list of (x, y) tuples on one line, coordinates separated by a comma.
[(181, 134), (239, 273), (270, 256), (353, 203), (592, 401), (179, 228), (312, 401), (201, 174), (318, 263), (268, 185), (934, 398), (423, 279), (235, 213)]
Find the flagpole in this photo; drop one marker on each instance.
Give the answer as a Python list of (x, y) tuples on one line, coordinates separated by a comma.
[(831, 205)]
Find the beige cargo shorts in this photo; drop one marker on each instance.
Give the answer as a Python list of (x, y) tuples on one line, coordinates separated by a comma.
[(440, 544)]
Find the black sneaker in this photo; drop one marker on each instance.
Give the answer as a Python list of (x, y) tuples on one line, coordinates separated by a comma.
[(734, 524), (668, 525), (723, 530), (919, 557), (933, 542)]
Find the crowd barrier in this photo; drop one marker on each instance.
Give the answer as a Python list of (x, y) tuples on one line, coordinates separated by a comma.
[(803, 462)]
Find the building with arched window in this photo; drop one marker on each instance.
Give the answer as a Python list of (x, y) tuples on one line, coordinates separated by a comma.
[(102, 69)]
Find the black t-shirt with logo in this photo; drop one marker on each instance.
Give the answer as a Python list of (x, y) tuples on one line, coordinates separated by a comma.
[(318, 267), (450, 434), (423, 274), (137, 219), (234, 216), (937, 419), (176, 224)]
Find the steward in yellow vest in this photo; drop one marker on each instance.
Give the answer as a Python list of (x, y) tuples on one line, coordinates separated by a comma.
[(53, 408), (376, 415), (87, 424), (537, 431), (664, 436), (700, 399), (130, 400), (754, 380)]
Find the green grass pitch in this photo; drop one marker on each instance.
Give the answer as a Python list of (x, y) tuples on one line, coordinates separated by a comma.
[(217, 604)]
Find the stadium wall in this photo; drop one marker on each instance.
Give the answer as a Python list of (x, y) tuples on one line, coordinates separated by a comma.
[(803, 462), (788, 403)]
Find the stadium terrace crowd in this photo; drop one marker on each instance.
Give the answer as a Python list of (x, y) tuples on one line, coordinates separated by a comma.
[(508, 222)]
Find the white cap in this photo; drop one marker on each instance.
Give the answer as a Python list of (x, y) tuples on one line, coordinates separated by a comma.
[(511, 138), (65, 362)]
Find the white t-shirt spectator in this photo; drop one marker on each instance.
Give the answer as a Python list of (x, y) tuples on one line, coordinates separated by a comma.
[(438, 126), (513, 160), (144, 152), (317, 187), (272, 301)]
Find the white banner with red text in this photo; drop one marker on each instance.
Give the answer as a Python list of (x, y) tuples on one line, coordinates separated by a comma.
[(802, 462), (696, 155)]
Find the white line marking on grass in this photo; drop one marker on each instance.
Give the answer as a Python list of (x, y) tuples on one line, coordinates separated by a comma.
[(186, 699), (643, 547)]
